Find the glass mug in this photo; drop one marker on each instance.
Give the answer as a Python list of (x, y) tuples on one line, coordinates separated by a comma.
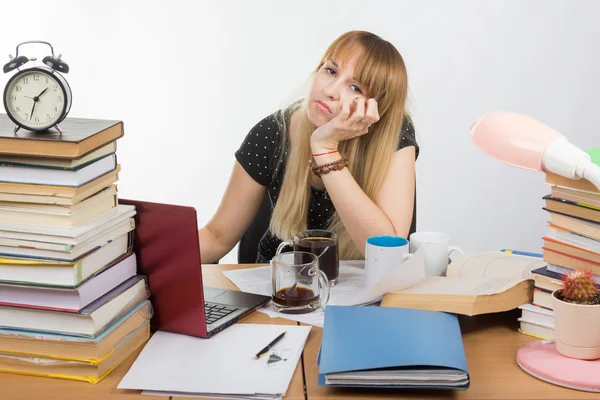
[(322, 243), (298, 285)]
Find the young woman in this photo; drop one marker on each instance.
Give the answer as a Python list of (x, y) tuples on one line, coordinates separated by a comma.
[(343, 158)]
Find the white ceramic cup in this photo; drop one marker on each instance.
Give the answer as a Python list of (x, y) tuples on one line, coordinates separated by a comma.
[(382, 255), (437, 249)]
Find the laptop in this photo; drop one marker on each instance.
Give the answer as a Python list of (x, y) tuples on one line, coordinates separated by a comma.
[(168, 252)]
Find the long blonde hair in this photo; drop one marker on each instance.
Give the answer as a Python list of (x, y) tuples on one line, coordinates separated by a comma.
[(381, 70)]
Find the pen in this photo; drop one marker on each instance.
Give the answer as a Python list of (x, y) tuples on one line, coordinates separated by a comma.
[(266, 349)]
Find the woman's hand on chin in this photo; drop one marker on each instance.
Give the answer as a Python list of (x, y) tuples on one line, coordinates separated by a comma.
[(354, 119)]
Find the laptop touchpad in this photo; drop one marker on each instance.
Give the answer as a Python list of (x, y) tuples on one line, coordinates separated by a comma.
[(211, 292)]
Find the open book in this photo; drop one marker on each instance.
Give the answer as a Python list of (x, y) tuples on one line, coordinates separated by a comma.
[(474, 284)]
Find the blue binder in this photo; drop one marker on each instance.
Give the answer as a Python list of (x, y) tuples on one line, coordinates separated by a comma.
[(390, 339)]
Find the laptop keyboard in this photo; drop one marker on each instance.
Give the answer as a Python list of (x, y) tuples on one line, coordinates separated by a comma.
[(215, 312)]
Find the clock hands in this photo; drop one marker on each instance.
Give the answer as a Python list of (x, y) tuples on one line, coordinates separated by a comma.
[(40, 95), (32, 108), (35, 100)]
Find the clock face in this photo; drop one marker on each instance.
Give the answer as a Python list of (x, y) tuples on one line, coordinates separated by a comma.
[(35, 99)]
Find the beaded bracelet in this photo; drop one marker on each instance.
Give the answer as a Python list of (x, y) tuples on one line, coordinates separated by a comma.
[(325, 168)]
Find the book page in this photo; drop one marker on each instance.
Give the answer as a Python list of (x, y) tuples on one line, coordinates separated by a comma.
[(462, 286), (494, 264)]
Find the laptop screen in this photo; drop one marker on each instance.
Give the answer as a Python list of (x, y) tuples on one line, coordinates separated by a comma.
[(168, 253)]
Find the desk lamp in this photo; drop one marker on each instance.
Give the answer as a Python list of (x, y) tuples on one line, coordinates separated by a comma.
[(527, 143)]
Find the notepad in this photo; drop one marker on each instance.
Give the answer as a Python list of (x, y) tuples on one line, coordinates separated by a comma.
[(222, 366), (393, 348)]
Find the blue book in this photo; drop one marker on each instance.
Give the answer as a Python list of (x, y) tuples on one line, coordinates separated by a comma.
[(392, 348), (522, 253)]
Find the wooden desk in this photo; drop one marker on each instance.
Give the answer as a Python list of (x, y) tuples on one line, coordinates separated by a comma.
[(491, 342), (21, 387)]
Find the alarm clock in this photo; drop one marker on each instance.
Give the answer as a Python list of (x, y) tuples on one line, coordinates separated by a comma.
[(37, 98)]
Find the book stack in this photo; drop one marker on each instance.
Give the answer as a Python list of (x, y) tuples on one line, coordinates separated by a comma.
[(71, 303), (571, 242)]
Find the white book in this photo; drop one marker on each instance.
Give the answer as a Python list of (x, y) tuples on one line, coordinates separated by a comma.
[(30, 232), (68, 299), (58, 177), (63, 252), (61, 273), (574, 239), (89, 322), (537, 315), (537, 330)]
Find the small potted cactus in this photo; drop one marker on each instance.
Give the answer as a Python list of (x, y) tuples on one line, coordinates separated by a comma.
[(577, 316)]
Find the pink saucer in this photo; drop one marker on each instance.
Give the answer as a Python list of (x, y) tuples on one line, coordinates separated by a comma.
[(541, 360)]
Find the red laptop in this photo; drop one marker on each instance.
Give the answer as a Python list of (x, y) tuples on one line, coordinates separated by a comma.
[(168, 253)]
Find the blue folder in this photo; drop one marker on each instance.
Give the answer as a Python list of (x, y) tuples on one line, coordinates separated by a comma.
[(392, 339)]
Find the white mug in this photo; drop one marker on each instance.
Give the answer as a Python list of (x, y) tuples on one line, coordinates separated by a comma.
[(437, 249), (382, 255)]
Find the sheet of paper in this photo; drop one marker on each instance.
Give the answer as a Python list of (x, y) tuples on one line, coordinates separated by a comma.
[(222, 365), (197, 396), (350, 289), (405, 275), (460, 285), (494, 264)]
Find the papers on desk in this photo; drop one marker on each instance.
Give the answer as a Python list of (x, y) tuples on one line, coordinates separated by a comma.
[(220, 367), (220, 397), (350, 289)]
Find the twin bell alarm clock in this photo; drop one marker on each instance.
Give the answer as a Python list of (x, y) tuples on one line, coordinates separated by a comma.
[(37, 98)]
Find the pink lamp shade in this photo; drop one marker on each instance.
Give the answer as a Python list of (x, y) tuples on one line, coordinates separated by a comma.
[(513, 138), (527, 143)]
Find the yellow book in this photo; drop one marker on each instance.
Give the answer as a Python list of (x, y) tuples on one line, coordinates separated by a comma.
[(474, 284), (74, 370)]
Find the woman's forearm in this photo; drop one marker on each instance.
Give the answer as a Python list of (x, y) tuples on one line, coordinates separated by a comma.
[(211, 248), (361, 217)]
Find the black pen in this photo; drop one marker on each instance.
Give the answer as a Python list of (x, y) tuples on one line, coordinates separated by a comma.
[(268, 347)]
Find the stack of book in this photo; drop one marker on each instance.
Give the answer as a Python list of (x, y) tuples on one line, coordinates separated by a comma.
[(71, 303), (571, 242)]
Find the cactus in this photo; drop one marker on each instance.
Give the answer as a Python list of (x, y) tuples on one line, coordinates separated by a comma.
[(579, 288)]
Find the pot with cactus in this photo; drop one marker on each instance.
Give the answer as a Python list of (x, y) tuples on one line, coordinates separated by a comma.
[(577, 316)]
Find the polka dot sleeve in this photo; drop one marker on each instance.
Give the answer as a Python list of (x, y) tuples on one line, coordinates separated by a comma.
[(408, 137), (257, 151)]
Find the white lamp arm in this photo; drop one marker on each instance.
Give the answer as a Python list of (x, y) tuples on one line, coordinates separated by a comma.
[(563, 158)]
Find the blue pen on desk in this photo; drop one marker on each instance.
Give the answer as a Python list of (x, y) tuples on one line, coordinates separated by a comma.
[(522, 253), (266, 349)]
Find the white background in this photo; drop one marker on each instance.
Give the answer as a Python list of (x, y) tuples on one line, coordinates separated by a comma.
[(190, 78)]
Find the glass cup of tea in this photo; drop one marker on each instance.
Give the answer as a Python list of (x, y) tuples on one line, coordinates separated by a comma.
[(322, 243), (298, 285)]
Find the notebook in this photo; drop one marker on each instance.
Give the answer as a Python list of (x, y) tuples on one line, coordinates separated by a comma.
[(392, 348)]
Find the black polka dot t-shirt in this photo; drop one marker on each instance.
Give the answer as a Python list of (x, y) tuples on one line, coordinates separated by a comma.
[(260, 156)]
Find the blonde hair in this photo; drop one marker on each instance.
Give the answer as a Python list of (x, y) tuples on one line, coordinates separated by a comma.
[(381, 70)]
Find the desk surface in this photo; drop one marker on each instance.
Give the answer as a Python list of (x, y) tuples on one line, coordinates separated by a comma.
[(491, 342)]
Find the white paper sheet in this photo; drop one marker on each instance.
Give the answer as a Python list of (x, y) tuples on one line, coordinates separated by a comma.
[(350, 289), (197, 396), (172, 363)]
